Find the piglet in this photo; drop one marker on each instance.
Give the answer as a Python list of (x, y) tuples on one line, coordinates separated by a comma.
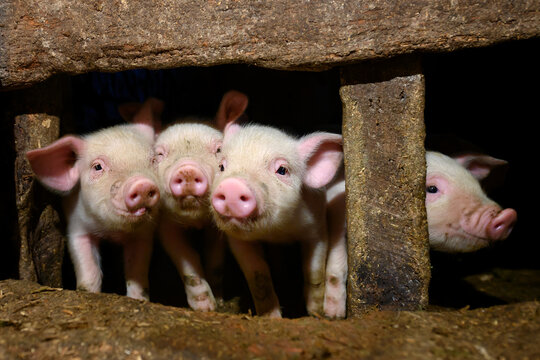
[(461, 217), (270, 187), (336, 264), (110, 191), (186, 161)]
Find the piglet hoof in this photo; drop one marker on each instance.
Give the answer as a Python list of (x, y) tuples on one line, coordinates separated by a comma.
[(136, 291), (273, 314), (315, 303), (203, 302), (199, 294), (90, 286), (334, 308)]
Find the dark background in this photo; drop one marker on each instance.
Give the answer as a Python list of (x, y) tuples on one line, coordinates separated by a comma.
[(487, 97)]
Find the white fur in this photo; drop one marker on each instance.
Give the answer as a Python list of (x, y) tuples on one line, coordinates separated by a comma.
[(287, 210), (196, 142)]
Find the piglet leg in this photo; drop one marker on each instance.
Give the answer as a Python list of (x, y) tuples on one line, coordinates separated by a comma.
[(84, 252), (335, 297), (314, 263), (137, 256), (250, 258), (214, 252), (188, 263)]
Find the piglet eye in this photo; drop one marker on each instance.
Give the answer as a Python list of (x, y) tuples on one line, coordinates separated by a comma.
[(282, 170), (97, 167), (432, 189), (221, 167), (218, 150)]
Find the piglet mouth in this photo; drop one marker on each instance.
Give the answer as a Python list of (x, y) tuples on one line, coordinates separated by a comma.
[(240, 223), (136, 214), (191, 202)]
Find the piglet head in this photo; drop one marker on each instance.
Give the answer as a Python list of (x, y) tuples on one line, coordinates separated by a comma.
[(263, 173), (461, 217), (112, 169), (186, 159)]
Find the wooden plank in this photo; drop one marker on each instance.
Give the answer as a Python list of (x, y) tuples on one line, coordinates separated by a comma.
[(41, 38), (383, 129), (40, 228)]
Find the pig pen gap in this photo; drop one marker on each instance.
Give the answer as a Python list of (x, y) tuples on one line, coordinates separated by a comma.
[(480, 95), (482, 98), (297, 102)]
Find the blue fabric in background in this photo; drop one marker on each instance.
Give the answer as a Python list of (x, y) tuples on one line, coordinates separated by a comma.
[(96, 96)]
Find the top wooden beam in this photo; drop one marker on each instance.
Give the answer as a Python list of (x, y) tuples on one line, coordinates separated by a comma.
[(41, 38)]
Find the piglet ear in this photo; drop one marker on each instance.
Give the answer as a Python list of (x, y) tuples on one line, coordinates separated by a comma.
[(479, 165), (323, 154), (231, 129), (128, 110), (232, 107), (54, 165), (147, 113)]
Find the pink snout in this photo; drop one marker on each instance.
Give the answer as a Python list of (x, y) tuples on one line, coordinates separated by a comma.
[(188, 179), (140, 193), (233, 198), (501, 226)]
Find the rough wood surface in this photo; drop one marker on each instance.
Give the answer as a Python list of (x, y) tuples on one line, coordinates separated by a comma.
[(41, 38), (40, 231), (383, 130)]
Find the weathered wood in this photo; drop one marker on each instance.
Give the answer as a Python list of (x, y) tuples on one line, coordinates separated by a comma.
[(383, 131), (40, 227), (32, 131), (41, 38)]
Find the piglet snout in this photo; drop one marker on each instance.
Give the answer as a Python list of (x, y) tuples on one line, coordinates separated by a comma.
[(501, 225), (233, 198), (187, 180), (140, 193)]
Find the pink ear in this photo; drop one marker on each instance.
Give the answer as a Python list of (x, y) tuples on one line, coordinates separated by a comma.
[(54, 165), (232, 106), (323, 154), (479, 165), (147, 113), (128, 110), (231, 129)]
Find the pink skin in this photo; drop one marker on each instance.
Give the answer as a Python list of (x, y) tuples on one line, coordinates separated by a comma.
[(188, 179), (234, 199), (461, 218), (106, 196), (138, 194), (501, 226), (271, 188), (185, 161)]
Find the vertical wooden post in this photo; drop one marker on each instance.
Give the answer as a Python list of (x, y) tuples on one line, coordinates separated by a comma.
[(40, 227), (383, 129)]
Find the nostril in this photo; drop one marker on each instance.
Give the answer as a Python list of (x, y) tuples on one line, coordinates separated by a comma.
[(244, 198), (221, 197), (198, 180)]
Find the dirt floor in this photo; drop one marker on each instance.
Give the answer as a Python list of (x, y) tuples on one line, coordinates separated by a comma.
[(38, 322)]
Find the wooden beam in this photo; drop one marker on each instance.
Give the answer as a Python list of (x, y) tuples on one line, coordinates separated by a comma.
[(383, 129), (39, 39)]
